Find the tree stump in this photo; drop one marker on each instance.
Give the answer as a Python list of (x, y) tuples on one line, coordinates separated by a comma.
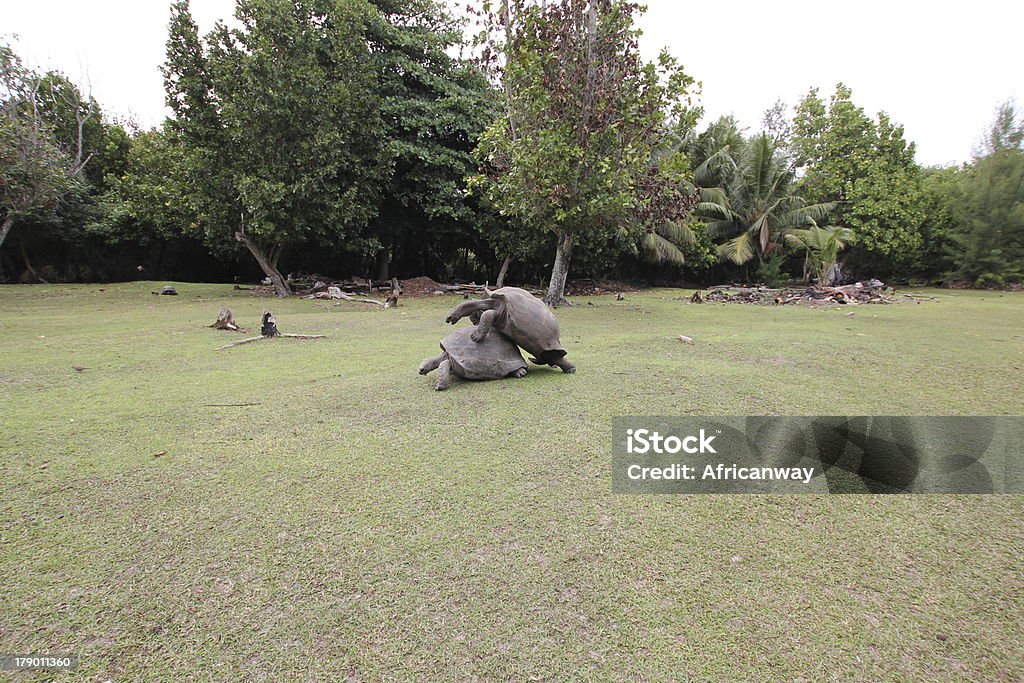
[(268, 328), (396, 291), (226, 321)]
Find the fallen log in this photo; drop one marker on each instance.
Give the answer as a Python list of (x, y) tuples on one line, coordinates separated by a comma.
[(261, 338), (268, 330)]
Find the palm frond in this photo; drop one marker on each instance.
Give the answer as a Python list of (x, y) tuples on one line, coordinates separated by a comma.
[(713, 169), (806, 215), (714, 195), (678, 233), (739, 250), (656, 249), (715, 210)]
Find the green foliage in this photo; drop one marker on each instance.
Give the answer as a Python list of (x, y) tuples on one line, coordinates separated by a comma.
[(756, 205), (771, 271), (821, 247), (1005, 132), (868, 169), (943, 194), (281, 121), (35, 174), (575, 150), (990, 237), (434, 108), (990, 281), (143, 205), (678, 243)]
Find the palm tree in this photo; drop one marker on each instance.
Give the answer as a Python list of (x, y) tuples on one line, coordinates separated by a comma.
[(664, 244), (821, 247), (758, 207)]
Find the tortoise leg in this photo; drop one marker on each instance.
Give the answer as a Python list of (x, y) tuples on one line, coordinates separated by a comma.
[(430, 364), (521, 372), (486, 321), (462, 310), (444, 373), (567, 365)]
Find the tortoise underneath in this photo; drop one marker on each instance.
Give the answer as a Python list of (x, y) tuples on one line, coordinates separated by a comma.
[(493, 357)]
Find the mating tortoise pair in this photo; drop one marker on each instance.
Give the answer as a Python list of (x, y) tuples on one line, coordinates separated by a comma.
[(506, 318)]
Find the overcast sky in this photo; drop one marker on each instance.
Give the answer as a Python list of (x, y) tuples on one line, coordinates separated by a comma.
[(939, 68)]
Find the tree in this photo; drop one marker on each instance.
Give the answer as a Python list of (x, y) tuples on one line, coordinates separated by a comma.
[(143, 205), (944, 202), (34, 173), (821, 249), (759, 205), (868, 169), (434, 107), (573, 152), (73, 119), (990, 237), (1005, 132), (282, 125)]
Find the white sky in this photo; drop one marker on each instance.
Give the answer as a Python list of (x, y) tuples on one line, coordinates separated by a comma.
[(939, 68)]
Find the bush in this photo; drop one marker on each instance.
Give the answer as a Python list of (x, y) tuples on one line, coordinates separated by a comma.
[(990, 281), (770, 272)]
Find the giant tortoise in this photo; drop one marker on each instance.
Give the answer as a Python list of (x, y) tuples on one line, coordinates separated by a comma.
[(521, 317), (491, 358)]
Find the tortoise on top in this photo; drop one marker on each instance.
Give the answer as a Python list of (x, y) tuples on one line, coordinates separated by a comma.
[(491, 358), (521, 317)]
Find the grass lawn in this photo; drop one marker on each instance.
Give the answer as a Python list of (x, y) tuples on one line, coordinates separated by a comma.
[(355, 525)]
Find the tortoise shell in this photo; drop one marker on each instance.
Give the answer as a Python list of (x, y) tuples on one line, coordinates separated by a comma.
[(492, 358), (529, 322)]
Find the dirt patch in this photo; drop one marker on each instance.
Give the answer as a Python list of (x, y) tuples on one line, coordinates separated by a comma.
[(420, 286)]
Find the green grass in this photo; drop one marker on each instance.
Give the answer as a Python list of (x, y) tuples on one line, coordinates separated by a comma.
[(356, 525)]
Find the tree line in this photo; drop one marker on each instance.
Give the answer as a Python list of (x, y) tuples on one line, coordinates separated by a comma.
[(381, 137)]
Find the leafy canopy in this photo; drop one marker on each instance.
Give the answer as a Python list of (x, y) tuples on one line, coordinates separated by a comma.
[(868, 169), (575, 150)]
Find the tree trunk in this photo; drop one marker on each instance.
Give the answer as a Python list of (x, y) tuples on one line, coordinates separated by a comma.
[(560, 271), (267, 263), (6, 228), (500, 282), (383, 263), (28, 264), (513, 124)]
